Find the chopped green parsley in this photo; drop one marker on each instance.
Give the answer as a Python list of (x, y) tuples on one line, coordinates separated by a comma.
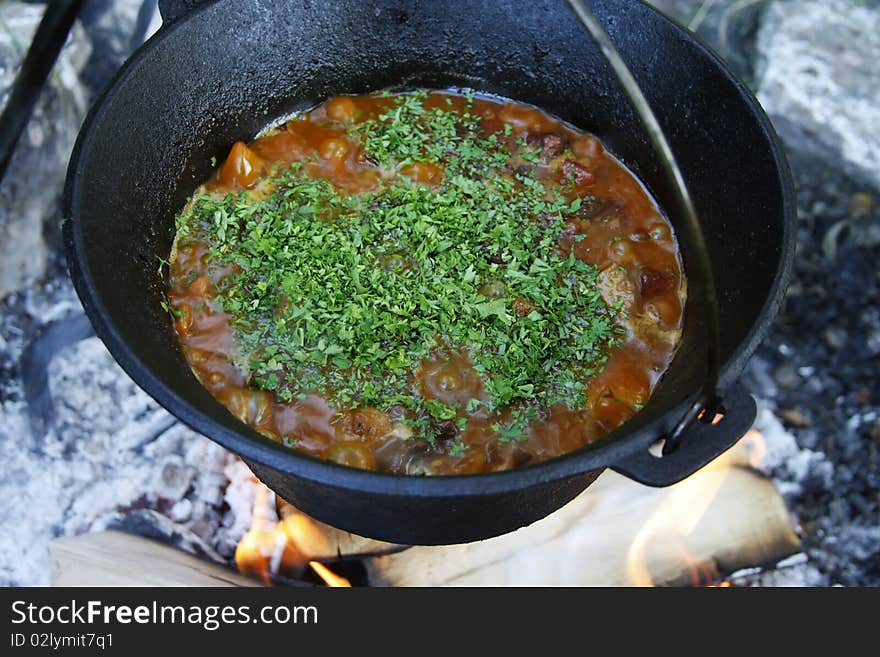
[(345, 295)]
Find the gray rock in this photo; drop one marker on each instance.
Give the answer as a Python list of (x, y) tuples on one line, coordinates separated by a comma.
[(819, 79), (787, 376), (31, 188), (835, 338), (115, 28)]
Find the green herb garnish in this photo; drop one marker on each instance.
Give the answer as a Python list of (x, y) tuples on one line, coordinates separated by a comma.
[(345, 295)]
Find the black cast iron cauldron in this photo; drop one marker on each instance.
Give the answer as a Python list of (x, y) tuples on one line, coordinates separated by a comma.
[(220, 72)]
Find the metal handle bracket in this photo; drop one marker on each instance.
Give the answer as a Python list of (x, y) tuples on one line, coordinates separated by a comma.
[(685, 210)]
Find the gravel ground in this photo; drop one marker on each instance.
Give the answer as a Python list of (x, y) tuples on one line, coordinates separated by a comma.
[(819, 369)]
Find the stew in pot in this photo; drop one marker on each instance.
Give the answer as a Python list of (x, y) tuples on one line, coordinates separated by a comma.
[(426, 283)]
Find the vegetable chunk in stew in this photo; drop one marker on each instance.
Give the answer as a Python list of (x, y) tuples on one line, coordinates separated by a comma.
[(426, 283)]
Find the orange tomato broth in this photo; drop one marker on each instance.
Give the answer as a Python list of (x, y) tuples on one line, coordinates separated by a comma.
[(619, 229)]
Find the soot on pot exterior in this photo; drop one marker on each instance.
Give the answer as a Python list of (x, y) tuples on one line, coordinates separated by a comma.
[(217, 74)]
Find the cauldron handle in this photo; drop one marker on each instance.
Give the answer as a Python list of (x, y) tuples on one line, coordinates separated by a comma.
[(707, 439), (707, 401)]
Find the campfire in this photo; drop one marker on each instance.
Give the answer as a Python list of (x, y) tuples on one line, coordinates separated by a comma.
[(273, 548), (717, 528), (667, 537), (722, 519)]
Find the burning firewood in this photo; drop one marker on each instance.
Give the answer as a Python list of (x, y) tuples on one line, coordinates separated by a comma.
[(112, 558), (726, 517)]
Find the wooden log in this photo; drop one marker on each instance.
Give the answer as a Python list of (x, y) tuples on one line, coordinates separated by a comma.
[(321, 542), (726, 517), (112, 558)]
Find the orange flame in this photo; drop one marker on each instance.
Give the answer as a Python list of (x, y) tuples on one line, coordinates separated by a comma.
[(272, 546), (330, 578), (716, 419), (663, 536), (259, 551)]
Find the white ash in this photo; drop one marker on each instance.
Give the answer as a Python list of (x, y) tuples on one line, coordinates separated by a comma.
[(239, 497), (53, 301), (149, 523), (797, 573), (789, 464), (111, 448)]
